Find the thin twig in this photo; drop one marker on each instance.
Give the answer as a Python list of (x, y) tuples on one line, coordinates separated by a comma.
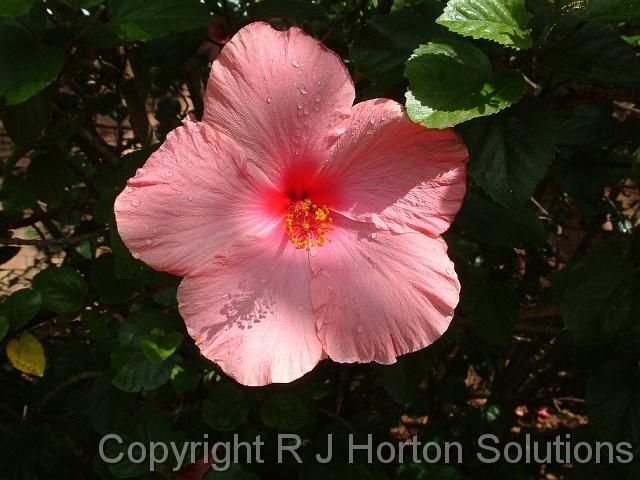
[(338, 418), (196, 92), (541, 329), (137, 109), (94, 143), (70, 381), (51, 241)]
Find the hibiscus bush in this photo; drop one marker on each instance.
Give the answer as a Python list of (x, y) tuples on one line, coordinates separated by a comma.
[(545, 338)]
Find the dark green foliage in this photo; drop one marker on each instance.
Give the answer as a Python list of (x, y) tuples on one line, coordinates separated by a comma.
[(545, 340)]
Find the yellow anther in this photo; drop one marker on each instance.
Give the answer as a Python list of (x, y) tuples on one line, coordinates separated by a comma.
[(307, 224)]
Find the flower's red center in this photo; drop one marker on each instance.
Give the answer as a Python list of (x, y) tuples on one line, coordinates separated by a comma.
[(307, 224)]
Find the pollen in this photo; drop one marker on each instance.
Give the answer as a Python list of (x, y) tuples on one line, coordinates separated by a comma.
[(307, 224)]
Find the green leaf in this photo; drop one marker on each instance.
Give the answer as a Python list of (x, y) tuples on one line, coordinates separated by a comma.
[(612, 10), (82, 3), (167, 297), (597, 298), (491, 308), (613, 402), (27, 65), (14, 8), (21, 306), (591, 52), (4, 327), (426, 471), (126, 267), (296, 9), (451, 81), (493, 224), (284, 411), (380, 50), (96, 325), (26, 121), (503, 21), (105, 402), (588, 126), (402, 379), (235, 472), (16, 196), (63, 289), (510, 153), (147, 19), (7, 253), (157, 346), (226, 408), (185, 378), (147, 425), (111, 289), (172, 50), (135, 373), (48, 176), (583, 177), (491, 412)]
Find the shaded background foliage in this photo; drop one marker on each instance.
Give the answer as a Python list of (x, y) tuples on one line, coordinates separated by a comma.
[(545, 341)]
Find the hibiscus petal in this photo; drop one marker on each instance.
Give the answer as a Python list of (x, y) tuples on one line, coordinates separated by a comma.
[(250, 311), (195, 194), (282, 94), (396, 174), (378, 295)]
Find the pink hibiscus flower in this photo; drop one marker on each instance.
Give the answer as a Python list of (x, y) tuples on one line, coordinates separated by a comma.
[(305, 226)]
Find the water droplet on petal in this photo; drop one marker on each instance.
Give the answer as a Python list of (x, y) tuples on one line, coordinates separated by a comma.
[(306, 111), (317, 98), (135, 255), (374, 235), (148, 241), (359, 328), (295, 64), (316, 108), (135, 202), (269, 99), (450, 270), (303, 91), (300, 105), (129, 189), (372, 121)]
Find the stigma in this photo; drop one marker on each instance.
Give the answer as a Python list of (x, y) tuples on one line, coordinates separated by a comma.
[(307, 224)]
